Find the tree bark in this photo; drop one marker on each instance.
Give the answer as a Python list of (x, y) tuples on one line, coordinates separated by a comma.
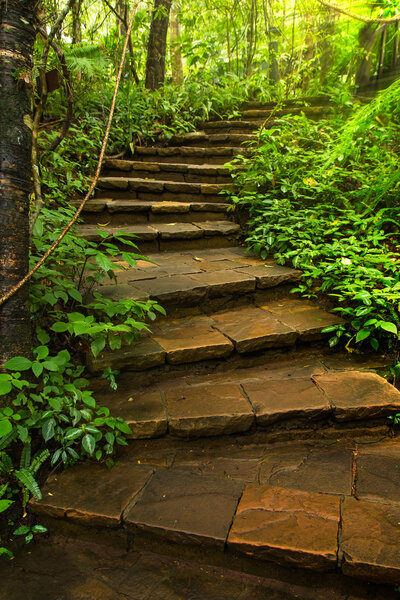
[(157, 45), (76, 22), (17, 35), (176, 53)]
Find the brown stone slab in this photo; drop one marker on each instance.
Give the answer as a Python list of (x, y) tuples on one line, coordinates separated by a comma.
[(225, 282), (355, 395), (178, 231), (378, 472), (145, 354), (191, 340), (208, 410), (186, 508), (142, 232), (218, 227), (113, 183), (253, 329), (146, 185), (209, 207), (170, 207), (287, 526), (185, 188), (214, 188), (95, 206), (144, 412), (370, 541), (326, 470), (91, 493), (307, 319), (270, 275), (128, 206), (243, 469), (122, 291), (179, 288), (286, 399)]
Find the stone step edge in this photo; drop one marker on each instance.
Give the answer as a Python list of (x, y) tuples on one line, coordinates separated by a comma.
[(132, 530), (132, 165), (215, 151), (104, 206), (270, 406), (158, 186)]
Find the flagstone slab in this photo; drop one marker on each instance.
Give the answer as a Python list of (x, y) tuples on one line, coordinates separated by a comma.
[(271, 275), (208, 410), (220, 282), (144, 354), (378, 472), (322, 470), (212, 228), (306, 318), (144, 412), (179, 288), (186, 508), (253, 329), (181, 231), (282, 400), (92, 494), (287, 526), (370, 541), (355, 395), (191, 340)]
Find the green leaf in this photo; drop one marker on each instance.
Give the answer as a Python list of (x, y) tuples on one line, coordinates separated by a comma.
[(104, 262), (5, 387), (88, 443), (98, 345), (75, 294), (23, 530), (60, 327), (73, 434), (5, 427), (37, 369), (387, 326), (4, 504), (41, 352), (363, 334), (39, 529), (18, 363), (124, 427), (48, 430)]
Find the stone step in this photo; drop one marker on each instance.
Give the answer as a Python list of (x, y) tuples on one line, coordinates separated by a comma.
[(168, 236), (271, 509), (134, 212), (217, 155), (215, 336), (208, 140), (207, 279), (312, 112), (189, 173), (234, 126), (321, 101)]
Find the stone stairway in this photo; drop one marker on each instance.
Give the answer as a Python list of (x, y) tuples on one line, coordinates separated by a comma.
[(253, 447)]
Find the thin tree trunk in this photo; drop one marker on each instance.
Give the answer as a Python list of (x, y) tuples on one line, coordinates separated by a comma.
[(382, 47), (76, 22), (176, 53), (17, 35), (395, 59), (157, 45)]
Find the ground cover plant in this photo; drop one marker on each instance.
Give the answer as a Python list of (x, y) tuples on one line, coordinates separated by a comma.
[(323, 197)]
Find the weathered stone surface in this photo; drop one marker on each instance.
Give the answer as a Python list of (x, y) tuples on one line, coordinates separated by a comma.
[(122, 291), (308, 320), (142, 232), (95, 206), (146, 150), (214, 188), (144, 354), (208, 410), (253, 329), (378, 472), (92, 493), (225, 282), (209, 207), (144, 412), (322, 470), (218, 227), (186, 508), (287, 526), (270, 275), (146, 185), (355, 395), (370, 541), (178, 231), (185, 188), (113, 183), (175, 288), (242, 469), (191, 340), (128, 206), (287, 399), (170, 207)]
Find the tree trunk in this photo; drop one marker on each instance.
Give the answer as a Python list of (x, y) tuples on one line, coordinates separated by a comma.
[(76, 22), (17, 35), (157, 45), (176, 54)]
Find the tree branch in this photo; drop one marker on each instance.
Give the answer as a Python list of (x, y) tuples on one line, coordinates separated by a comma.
[(352, 15)]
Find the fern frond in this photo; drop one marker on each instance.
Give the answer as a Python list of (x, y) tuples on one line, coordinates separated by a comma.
[(88, 58), (5, 463), (38, 460), (7, 439), (25, 460), (3, 489), (29, 483)]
